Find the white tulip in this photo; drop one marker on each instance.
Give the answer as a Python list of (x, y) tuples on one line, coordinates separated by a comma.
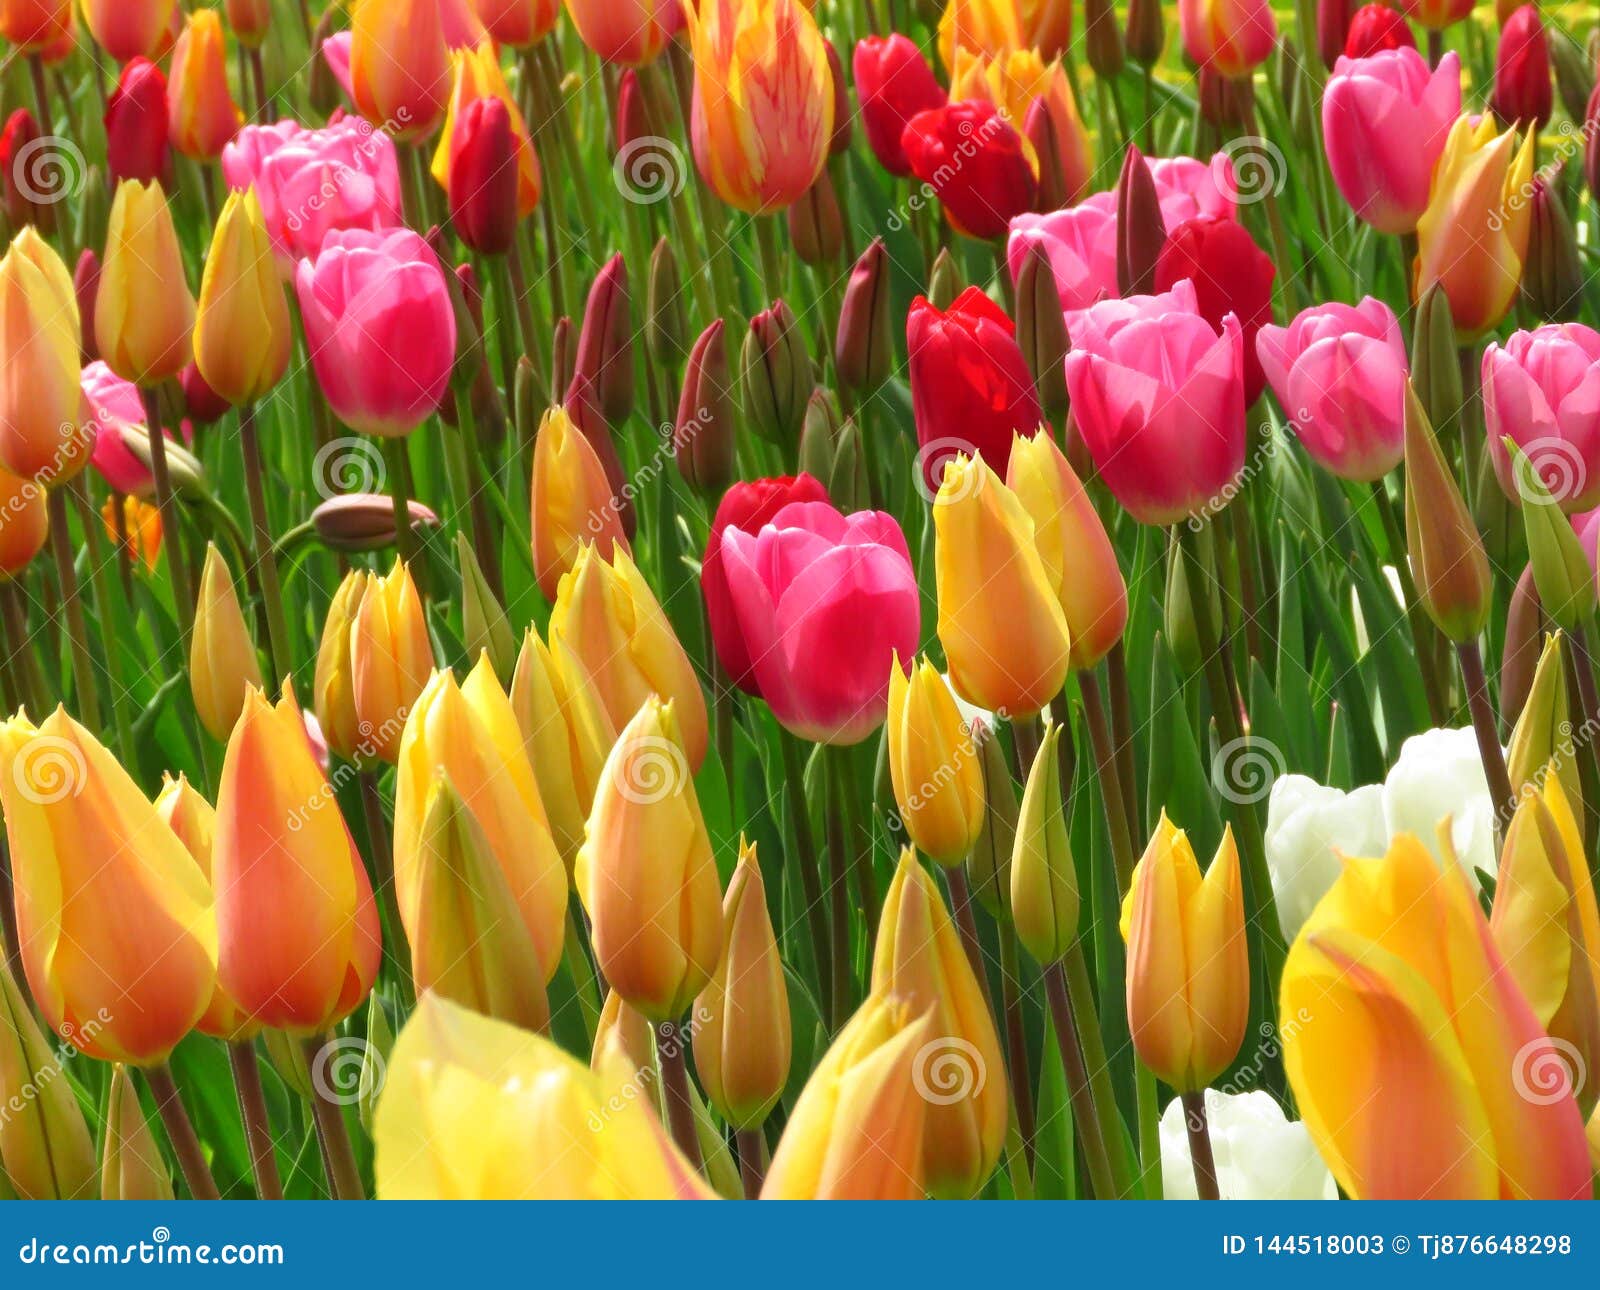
[(1439, 773), (1309, 827), (1260, 1155)]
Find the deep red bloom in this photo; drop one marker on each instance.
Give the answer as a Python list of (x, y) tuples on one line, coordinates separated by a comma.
[(1523, 93), (16, 189), (970, 385), (893, 83), (1231, 275), (136, 125), (484, 177), (1376, 27), (1333, 29), (746, 506), (201, 403), (972, 158)]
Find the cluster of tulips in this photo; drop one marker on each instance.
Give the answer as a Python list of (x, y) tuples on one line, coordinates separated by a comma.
[(664, 598)]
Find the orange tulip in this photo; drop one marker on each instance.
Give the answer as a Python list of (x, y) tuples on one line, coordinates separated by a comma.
[(391, 659), (35, 25), (249, 20), (42, 432), (399, 66), (137, 528), (984, 27), (518, 23), (24, 523), (478, 76), (128, 29), (628, 32), (201, 113)]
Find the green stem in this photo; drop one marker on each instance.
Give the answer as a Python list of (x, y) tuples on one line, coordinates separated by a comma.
[(338, 1157), (166, 503), (253, 1115), (675, 1083), (1076, 974), (265, 567), (383, 879), (1205, 1165), (1421, 625), (77, 629), (1016, 1038), (809, 865), (180, 1132), (1083, 1108), (105, 611), (1489, 750), (839, 887), (394, 454), (1110, 784)]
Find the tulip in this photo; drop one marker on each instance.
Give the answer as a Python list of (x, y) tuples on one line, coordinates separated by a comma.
[(137, 529), (310, 182), (222, 657), (249, 20), (201, 110), (984, 548), (976, 163), (118, 936), (1230, 275), (571, 501), (1258, 1153), (856, 1131), (19, 161), (1188, 963), (1523, 92), (333, 689), (824, 602), (360, 522), (1542, 389), (703, 432), (131, 1167), (605, 347), (630, 33), (1553, 275), (742, 1042), (391, 659), (971, 391), (399, 66), (984, 27), (1333, 30), (1401, 980), (1038, 95), (775, 374), (1044, 881), (42, 437), (295, 915), (36, 25), (893, 84), (115, 413), (474, 1108), (482, 178), (1447, 556), (24, 523), (1158, 396), (379, 325), (1339, 372), (45, 1148), (863, 345), (518, 23), (1562, 573), (241, 330), (1385, 120), (1073, 546), (538, 701), (1473, 237), (1080, 244), (1232, 36), (645, 871), (129, 29), (144, 314), (1436, 15), (137, 143), (761, 74), (1375, 28), (478, 77), (933, 764)]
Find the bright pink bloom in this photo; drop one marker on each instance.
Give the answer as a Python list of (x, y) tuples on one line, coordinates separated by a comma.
[(1158, 398), (336, 54), (1543, 389), (112, 406), (310, 182), (1339, 372), (1385, 119), (824, 602), (380, 328), (1188, 186), (1230, 37), (1080, 243), (893, 83)]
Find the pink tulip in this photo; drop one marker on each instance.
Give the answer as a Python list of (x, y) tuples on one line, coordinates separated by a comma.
[(113, 407), (1158, 398), (1543, 389), (1385, 119), (1081, 244), (1339, 372), (311, 182), (1187, 186), (824, 601), (336, 54), (380, 328)]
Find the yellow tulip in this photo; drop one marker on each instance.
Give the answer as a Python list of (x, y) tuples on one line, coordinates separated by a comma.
[(1188, 961), (241, 329), (478, 76), (646, 874), (571, 501), (1417, 1064), (143, 312), (391, 659), (222, 657), (475, 1109), (983, 27), (45, 1149), (202, 114), (333, 689), (985, 555), (119, 937), (538, 702), (131, 1167), (933, 764), (43, 434), (1542, 741)]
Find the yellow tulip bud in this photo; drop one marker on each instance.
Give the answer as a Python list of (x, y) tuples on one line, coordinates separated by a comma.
[(43, 435), (938, 782), (45, 1149), (241, 329), (537, 701), (1543, 742), (222, 657), (571, 501), (1447, 554), (1044, 879), (624, 1036), (391, 658), (143, 312), (333, 690), (131, 1167)]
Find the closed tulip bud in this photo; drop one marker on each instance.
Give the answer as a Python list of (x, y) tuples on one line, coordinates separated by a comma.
[(919, 960), (1553, 278), (484, 628), (131, 1167), (42, 437), (137, 135), (933, 764), (944, 280), (333, 690), (474, 1108), (816, 228), (489, 163), (605, 344), (482, 181), (1374, 28), (984, 548), (539, 704), (1044, 879), (1146, 33), (19, 148), (222, 657), (776, 375), (863, 341), (241, 330), (360, 522), (1232, 36), (623, 1038), (1521, 651), (399, 66), (144, 314), (115, 920), (1333, 30), (85, 283), (391, 659), (1188, 963), (24, 523), (1178, 620), (1102, 41), (1435, 364), (1141, 227), (249, 20), (571, 502), (632, 122), (1042, 330), (45, 1148), (703, 431), (1575, 76), (1542, 739), (1561, 569), (665, 324), (200, 110), (645, 871), (1523, 93), (742, 1042), (989, 863), (848, 484), (855, 1132), (129, 31), (1447, 556), (818, 435)]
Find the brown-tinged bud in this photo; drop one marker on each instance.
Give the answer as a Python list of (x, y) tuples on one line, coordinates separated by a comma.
[(583, 407), (528, 389), (1146, 34), (1141, 228), (563, 355), (322, 86), (703, 431), (665, 325), (1520, 654), (816, 228), (21, 173), (633, 112), (944, 280), (776, 375), (605, 345), (1102, 38), (86, 286), (863, 341), (1042, 329), (1447, 556), (357, 522), (1552, 275)]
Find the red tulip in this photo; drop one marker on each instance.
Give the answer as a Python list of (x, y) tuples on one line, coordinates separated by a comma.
[(18, 143), (136, 125), (483, 177), (970, 385), (894, 83), (1231, 275), (975, 161), (1376, 27), (1523, 93)]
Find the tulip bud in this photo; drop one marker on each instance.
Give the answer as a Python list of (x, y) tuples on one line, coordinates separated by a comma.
[(19, 168), (742, 1042), (1574, 75), (944, 281), (703, 432), (131, 1167), (85, 283), (665, 324), (483, 178), (361, 522), (136, 125), (934, 765), (1561, 570), (989, 863), (582, 403), (1042, 329), (1146, 32), (818, 433), (540, 708), (816, 228), (1044, 879), (1333, 30), (45, 1146), (1141, 227), (1542, 739), (1447, 556), (632, 121), (144, 314), (1435, 364), (484, 627), (1102, 41), (391, 657), (1523, 94), (605, 345), (849, 486), (645, 872), (1374, 28), (623, 1036), (241, 330), (775, 374), (1188, 962), (249, 20), (843, 117), (571, 501), (1520, 653), (202, 112), (222, 657), (1178, 620), (1061, 141), (1553, 278)]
